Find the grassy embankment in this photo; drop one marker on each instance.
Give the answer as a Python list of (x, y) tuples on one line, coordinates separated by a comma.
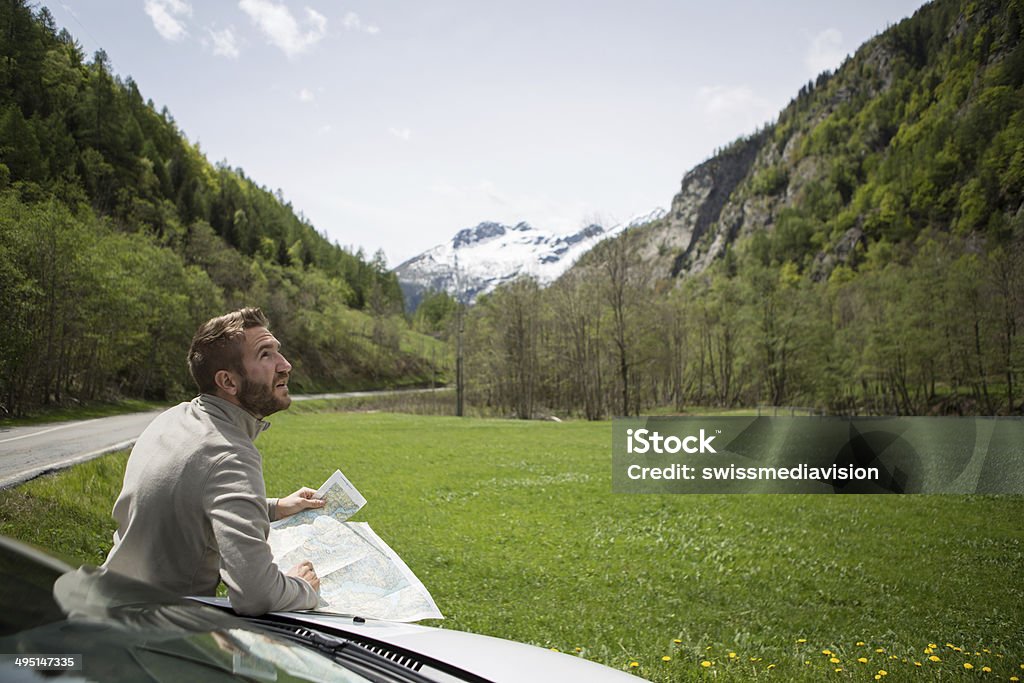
[(513, 528)]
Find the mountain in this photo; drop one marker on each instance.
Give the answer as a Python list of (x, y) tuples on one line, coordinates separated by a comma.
[(921, 129), (477, 260)]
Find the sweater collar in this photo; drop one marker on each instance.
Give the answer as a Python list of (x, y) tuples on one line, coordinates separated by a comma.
[(236, 415)]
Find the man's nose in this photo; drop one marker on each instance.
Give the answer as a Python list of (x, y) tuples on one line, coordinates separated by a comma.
[(284, 365)]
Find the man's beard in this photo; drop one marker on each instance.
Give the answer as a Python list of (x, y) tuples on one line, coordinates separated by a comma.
[(260, 400)]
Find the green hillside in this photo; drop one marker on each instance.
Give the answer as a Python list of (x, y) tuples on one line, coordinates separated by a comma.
[(118, 237), (862, 254)]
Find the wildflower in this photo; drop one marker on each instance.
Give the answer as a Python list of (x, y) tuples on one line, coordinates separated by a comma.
[(705, 664), (677, 641), (732, 655), (633, 665), (801, 640), (860, 643), (863, 660), (555, 649), (934, 658), (666, 658), (838, 670), (917, 663), (771, 666), (826, 652), (987, 669), (834, 660), (877, 677), (968, 665), (928, 650), (579, 649), (893, 657), (880, 649), (932, 645), (883, 672), (1014, 678)]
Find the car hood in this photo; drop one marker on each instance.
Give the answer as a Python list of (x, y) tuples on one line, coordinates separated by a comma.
[(494, 659)]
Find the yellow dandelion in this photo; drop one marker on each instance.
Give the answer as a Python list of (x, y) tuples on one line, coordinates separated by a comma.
[(917, 663), (932, 645), (860, 643), (677, 641), (928, 650), (705, 663), (934, 658), (987, 669), (732, 655), (834, 660), (877, 677), (633, 665), (879, 649), (801, 640), (883, 672), (893, 657), (579, 649), (771, 666), (951, 646), (862, 660), (807, 662), (837, 670), (666, 658), (986, 650), (968, 665), (1014, 678), (826, 652)]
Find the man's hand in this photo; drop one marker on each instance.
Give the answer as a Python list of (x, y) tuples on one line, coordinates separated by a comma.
[(304, 570), (298, 501)]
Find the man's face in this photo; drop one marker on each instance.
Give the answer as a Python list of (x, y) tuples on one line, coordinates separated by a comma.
[(264, 383)]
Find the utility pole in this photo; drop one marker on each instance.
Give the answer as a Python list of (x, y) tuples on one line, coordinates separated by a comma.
[(460, 386)]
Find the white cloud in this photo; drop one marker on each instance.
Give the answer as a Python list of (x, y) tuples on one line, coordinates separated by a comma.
[(826, 51), (168, 17), (735, 110), (403, 133), (352, 22), (306, 95), (224, 42), (282, 29)]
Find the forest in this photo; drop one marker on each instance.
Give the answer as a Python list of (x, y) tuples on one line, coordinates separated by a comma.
[(118, 237), (888, 280)]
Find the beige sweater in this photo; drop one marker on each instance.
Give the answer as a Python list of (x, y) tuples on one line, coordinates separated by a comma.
[(194, 511)]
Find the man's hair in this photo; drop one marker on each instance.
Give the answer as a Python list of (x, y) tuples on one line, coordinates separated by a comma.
[(216, 346)]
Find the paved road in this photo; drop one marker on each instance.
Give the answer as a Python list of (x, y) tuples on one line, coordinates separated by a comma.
[(27, 452)]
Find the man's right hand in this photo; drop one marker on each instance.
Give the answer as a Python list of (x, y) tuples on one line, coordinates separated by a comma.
[(304, 570)]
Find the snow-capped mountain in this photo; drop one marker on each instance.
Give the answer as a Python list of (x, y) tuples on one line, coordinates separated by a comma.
[(479, 259)]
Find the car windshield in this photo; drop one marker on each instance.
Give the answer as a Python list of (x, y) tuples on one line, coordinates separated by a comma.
[(125, 631)]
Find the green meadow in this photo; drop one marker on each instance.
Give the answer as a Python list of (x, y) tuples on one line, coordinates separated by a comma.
[(513, 528)]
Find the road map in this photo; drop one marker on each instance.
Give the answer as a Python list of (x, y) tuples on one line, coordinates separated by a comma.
[(359, 574)]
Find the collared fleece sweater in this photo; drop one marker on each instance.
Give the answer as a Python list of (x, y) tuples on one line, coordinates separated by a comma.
[(193, 510)]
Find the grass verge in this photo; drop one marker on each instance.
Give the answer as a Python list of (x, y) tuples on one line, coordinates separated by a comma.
[(513, 527)]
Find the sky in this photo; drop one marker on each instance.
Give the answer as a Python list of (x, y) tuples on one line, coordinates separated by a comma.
[(393, 124)]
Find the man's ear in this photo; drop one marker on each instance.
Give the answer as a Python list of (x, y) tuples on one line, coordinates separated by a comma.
[(227, 382)]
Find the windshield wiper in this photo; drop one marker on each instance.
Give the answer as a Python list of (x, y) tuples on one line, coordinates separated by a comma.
[(352, 654)]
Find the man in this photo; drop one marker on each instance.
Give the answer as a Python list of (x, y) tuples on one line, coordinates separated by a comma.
[(193, 510)]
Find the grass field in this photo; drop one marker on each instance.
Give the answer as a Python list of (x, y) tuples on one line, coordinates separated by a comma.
[(514, 529)]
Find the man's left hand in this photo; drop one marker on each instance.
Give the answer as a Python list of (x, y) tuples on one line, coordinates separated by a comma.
[(302, 499)]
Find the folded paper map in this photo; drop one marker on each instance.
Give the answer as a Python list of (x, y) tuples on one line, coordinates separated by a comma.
[(359, 574)]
